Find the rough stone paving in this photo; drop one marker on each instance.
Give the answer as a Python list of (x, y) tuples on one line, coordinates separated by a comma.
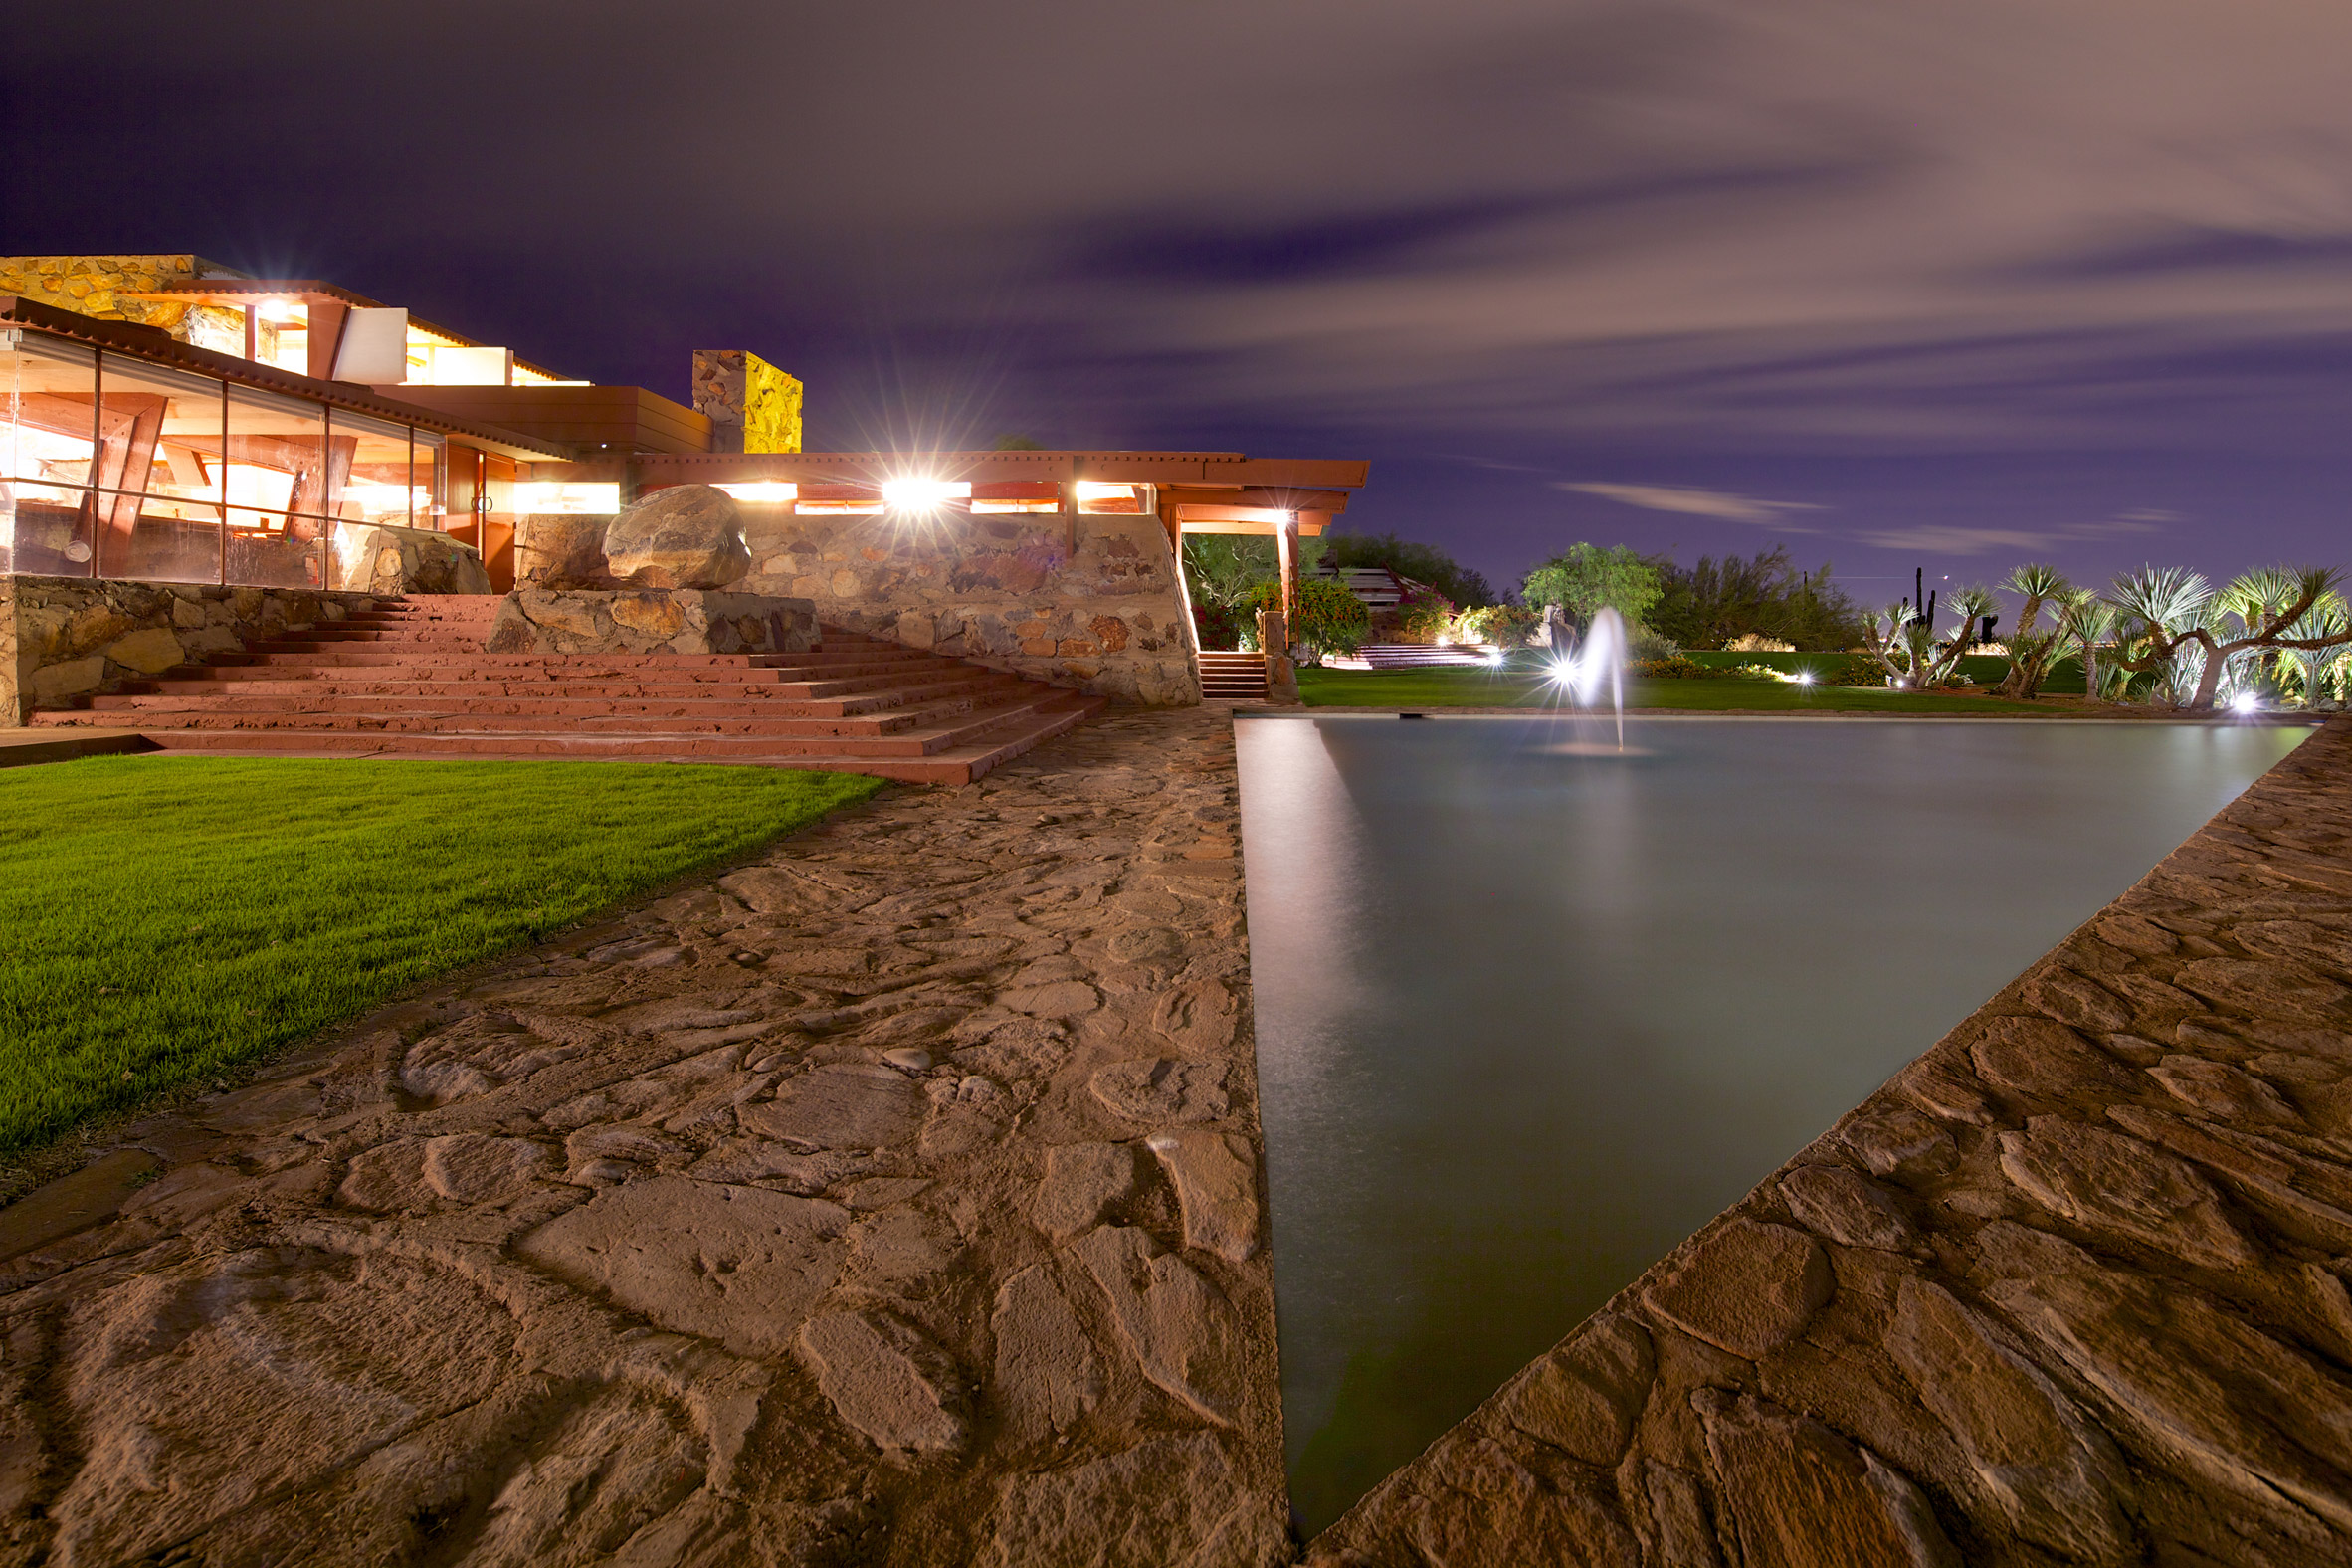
[(892, 1200), (896, 1200), (2071, 1288)]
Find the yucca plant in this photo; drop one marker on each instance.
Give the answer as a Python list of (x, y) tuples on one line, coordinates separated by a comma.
[(2316, 676), (1903, 640), (2194, 637), (2033, 646), (2086, 622)]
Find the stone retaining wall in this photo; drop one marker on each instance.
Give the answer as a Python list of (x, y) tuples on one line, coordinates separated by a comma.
[(63, 638), (2071, 1287), (1005, 591), (651, 621)]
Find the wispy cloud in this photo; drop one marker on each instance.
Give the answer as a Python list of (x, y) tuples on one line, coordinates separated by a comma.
[(1939, 540), (1697, 502)]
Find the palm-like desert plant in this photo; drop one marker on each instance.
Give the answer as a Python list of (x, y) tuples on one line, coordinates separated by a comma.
[(2192, 637), (2087, 621), (1904, 640), (2033, 646)]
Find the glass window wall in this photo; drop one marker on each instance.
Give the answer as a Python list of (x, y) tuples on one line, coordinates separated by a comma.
[(157, 501), (111, 467)]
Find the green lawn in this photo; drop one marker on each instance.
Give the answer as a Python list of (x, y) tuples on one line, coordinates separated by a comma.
[(2064, 679), (1511, 687), (161, 918)]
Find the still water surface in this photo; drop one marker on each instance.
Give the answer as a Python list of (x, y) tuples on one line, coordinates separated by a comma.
[(1530, 1012)]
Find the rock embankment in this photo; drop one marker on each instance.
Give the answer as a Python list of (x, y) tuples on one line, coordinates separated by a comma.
[(2071, 1287), (892, 1200)]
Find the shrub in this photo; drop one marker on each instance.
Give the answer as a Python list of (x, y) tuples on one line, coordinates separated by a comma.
[(1642, 643), (1425, 617), (1714, 601), (1331, 618), (1502, 625), (1674, 667)]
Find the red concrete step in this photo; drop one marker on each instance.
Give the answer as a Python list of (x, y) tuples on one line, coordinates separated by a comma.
[(411, 677), (955, 765), (780, 736), (524, 713)]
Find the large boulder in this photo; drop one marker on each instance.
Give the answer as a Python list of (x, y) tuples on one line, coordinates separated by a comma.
[(378, 558), (685, 536), (560, 550)]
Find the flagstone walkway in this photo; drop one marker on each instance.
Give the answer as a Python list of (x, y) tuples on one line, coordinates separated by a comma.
[(891, 1199)]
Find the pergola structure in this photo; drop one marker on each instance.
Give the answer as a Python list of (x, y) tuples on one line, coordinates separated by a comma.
[(1283, 499)]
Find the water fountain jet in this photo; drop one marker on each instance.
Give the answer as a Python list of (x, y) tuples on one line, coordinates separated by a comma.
[(1598, 653)]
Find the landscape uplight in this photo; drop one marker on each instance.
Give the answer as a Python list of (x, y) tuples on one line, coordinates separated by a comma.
[(2244, 703), (1804, 678), (916, 495)]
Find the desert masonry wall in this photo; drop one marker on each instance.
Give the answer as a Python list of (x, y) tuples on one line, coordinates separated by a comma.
[(1008, 591)]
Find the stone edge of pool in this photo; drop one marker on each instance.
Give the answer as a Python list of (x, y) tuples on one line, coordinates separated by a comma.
[(2071, 1285)]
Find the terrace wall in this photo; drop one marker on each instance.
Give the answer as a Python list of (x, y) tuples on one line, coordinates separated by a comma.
[(63, 638), (95, 286), (1010, 592)]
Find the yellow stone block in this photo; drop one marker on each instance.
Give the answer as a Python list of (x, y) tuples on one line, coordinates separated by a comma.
[(771, 407)]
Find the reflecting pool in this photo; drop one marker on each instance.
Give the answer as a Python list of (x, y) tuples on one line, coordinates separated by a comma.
[(1529, 1012)]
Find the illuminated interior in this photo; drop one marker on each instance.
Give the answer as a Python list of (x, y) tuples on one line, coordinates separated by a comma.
[(763, 492), (567, 497), (112, 467)]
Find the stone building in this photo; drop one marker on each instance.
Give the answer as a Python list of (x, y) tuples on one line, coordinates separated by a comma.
[(164, 419)]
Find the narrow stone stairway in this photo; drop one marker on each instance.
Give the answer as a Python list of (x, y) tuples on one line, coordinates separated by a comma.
[(411, 678), (1232, 678)]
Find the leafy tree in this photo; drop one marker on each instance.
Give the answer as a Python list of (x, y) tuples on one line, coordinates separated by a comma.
[(1714, 601), (1587, 577), (1222, 571), (1424, 563), (1330, 618)]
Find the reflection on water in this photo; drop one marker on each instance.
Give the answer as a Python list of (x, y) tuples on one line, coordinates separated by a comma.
[(1530, 1012)]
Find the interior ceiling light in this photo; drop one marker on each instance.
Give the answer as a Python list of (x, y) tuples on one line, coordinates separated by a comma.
[(1089, 490), (924, 494), (276, 310)]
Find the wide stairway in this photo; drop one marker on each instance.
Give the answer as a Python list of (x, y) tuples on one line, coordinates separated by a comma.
[(1232, 678), (1409, 656), (410, 678)]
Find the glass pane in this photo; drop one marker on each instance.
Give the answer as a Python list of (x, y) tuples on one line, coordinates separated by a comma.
[(425, 478), (278, 469), (262, 555), (179, 545), (46, 458), (155, 428), (370, 456)]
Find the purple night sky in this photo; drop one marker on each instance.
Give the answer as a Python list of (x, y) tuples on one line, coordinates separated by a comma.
[(1943, 285)]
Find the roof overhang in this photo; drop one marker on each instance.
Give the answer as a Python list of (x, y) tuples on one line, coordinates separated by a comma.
[(157, 346)]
